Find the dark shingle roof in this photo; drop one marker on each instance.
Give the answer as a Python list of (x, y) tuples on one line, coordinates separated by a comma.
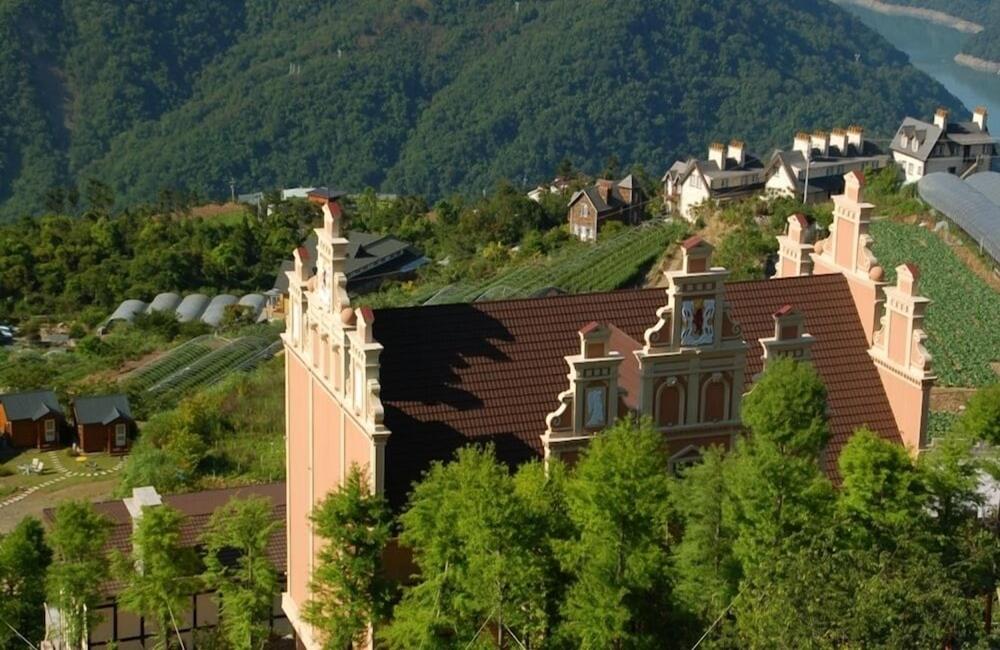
[(197, 508), (101, 409), (30, 405), (366, 254), (492, 371)]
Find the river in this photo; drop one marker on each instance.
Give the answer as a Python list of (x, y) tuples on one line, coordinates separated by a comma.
[(932, 48)]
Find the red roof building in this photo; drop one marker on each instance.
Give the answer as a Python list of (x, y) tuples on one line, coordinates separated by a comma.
[(394, 390)]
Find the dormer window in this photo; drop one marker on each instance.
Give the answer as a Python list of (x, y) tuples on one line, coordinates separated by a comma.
[(584, 210), (914, 145), (595, 411)]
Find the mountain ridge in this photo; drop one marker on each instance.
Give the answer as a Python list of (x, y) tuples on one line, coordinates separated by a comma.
[(421, 97)]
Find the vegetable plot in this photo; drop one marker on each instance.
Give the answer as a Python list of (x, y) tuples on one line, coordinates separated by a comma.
[(963, 320)]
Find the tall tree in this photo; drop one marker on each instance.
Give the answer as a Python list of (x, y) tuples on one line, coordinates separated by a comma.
[(478, 544), (24, 560), (707, 572), (161, 573), (237, 567), (780, 496), (618, 558), (348, 592), (79, 567)]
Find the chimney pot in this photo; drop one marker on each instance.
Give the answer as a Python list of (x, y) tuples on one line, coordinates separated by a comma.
[(941, 118), (717, 154), (979, 118)]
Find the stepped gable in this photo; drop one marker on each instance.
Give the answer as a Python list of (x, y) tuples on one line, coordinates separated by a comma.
[(492, 371)]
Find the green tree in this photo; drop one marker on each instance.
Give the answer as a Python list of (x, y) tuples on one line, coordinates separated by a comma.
[(24, 560), (780, 496), (881, 498), (247, 584), (348, 591), (479, 544), (981, 420), (161, 573), (79, 567), (707, 572), (618, 558)]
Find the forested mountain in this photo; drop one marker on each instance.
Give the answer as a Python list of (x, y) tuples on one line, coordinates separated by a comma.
[(416, 96)]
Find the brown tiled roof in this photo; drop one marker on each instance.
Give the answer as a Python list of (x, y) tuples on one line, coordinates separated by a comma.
[(492, 371), (197, 508)]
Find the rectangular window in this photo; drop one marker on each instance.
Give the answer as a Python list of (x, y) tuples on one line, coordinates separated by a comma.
[(595, 415), (121, 435), (50, 431)]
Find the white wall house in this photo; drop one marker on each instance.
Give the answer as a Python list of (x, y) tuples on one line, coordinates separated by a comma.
[(960, 148), (817, 162), (728, 174)]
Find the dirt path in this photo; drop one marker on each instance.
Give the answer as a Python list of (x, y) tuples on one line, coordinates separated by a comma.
[(34, 504)]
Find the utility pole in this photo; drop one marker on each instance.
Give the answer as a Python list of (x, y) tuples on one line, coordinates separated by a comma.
[(232, 189), (805, 191)]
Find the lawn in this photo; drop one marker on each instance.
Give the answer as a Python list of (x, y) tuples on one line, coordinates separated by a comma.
[(13, 480), (963, 320)]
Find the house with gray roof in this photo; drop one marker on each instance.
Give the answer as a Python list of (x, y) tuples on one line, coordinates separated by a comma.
[(815, 167), (729, 173), (605, 200), (371, 260), (960, 148), (103, 423), (31, 419)]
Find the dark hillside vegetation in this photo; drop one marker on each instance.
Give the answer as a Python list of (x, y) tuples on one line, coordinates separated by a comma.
[(415, 96)]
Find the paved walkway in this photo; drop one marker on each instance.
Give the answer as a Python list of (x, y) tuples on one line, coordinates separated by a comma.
[(55, 459)]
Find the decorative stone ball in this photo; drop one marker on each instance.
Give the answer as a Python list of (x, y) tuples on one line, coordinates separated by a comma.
[(818, 246), (876, 273), (347, 316)]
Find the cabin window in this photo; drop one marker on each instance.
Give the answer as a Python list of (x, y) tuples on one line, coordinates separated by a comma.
[(584, 210), (50, 431), (121, 435), (595, 403)]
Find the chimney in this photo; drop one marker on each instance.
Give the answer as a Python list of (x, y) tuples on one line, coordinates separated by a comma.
[(717, 154), (979, 118), (802, 143), (838, 141), (737, 151), (604, 188), (941, 118), (142, 497), (821, 140), (855, 137)]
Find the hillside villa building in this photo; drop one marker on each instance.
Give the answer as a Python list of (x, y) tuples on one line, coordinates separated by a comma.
[(393, 390), (960, 148), (815, 166), (729, 174), (605, 200)]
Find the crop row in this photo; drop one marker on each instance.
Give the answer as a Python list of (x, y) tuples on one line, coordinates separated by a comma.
[(174, 360), (606, 265), (963, 319), (240, 354)]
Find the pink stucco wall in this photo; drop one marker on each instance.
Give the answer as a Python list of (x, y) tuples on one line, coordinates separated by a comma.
[(909, 405), (297, 402)]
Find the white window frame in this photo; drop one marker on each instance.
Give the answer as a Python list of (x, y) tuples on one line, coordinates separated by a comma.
[(50, 430), (121, 434)]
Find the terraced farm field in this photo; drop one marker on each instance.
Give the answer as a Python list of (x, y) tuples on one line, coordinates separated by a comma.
[(198, 363), (963, 321), (607, 265)]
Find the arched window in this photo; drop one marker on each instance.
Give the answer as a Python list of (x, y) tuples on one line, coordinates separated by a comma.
[(670, 404), (715, 399)]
